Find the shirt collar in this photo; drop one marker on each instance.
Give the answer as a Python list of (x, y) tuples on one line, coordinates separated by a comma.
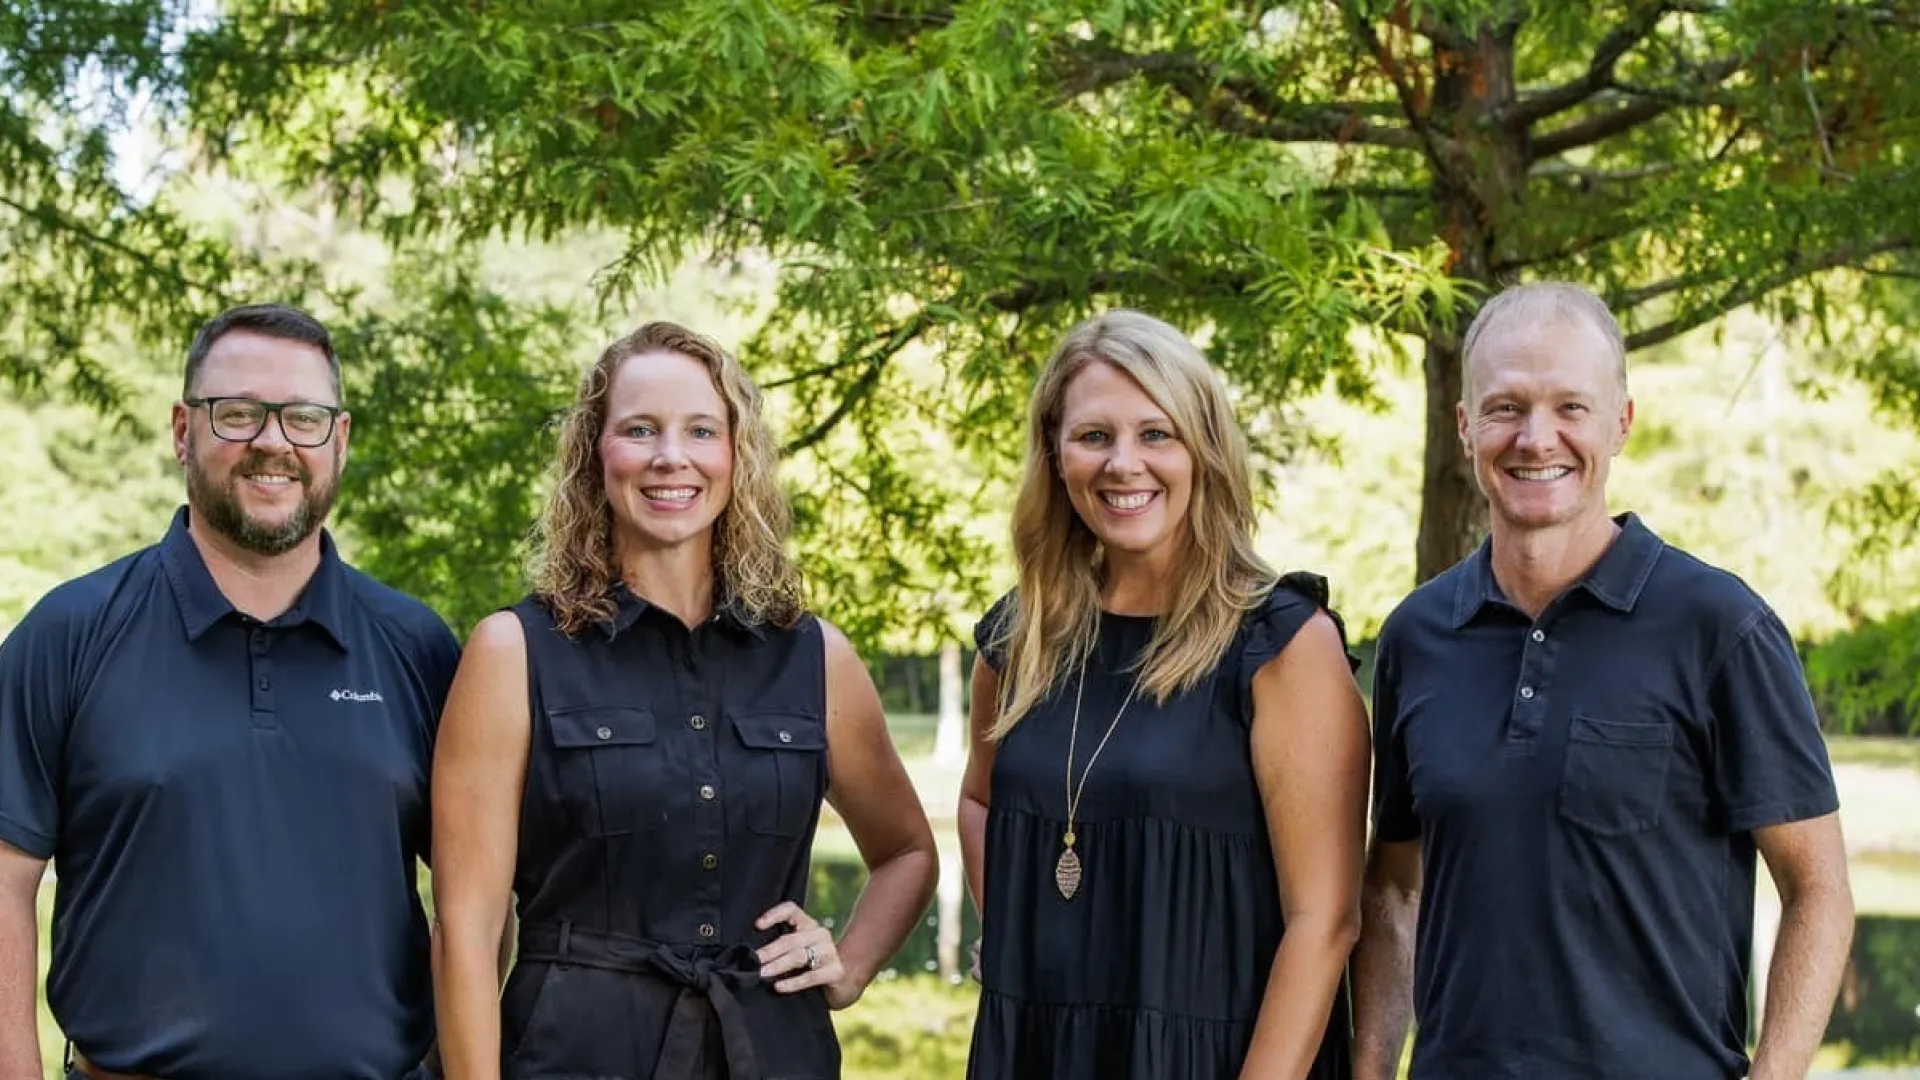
[(629, 606), (1615, 580), (322, 602)]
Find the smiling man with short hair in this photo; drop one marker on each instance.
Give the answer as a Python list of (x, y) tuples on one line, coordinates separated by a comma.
[(222, 743), (1583, 736)]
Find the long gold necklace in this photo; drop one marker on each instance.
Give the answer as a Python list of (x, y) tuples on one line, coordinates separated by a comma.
[(1066, 872)]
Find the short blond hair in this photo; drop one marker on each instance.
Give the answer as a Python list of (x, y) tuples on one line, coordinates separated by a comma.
[(1538, 302)]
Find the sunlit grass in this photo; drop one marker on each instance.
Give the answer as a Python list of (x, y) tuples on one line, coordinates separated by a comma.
[(1892, 753)]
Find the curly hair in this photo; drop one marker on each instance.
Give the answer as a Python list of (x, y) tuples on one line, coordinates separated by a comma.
[(573, 568), (1220, 576)]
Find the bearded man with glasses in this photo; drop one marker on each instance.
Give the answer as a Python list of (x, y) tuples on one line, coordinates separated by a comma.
[(222, 744)]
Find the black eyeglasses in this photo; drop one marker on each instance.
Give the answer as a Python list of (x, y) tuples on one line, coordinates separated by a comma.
[(240, 419)]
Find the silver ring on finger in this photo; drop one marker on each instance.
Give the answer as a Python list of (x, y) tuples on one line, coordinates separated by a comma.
[(813, 958)]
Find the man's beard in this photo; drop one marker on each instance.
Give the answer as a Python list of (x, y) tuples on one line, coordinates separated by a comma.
[(219, 507)]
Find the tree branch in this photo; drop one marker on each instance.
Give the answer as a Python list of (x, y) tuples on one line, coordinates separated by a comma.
[(1604, 126), (1311, 126), (876, 363), (1599, 74), (1586, 178), (1410, 104), (1747, 291), (811, 373), (55, 220), (1645, 106), (1570, 248), (1622, 302), (1239, 106), (1097, 71)]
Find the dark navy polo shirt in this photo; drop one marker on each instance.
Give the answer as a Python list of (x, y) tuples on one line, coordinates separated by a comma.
[(1584, 787), (234, 810)]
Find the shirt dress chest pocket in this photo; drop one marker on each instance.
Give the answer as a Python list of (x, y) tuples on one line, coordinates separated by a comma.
[(785, 769), (1615, 779), (607, 764)]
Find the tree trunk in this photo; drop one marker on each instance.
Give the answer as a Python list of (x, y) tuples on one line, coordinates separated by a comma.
[(1453, 513), (1480, 184)]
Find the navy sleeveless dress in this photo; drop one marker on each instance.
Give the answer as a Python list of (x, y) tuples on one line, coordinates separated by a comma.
[(1156, 969), (673, 788)]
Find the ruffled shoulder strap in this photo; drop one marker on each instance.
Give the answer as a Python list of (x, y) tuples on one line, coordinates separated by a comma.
[(989, 633), (1269, 628)]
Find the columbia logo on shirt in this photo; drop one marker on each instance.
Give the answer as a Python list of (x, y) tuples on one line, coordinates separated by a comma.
[(356, 695)]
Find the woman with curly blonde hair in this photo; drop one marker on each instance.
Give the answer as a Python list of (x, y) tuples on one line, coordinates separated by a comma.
[(1164, 809), (637, 753)]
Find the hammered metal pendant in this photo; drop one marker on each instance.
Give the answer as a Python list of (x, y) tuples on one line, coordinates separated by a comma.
[(1066, 874)]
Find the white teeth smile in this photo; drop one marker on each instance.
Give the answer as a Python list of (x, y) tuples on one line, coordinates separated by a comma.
[(1554, 473), (273, 479), (1132, 501), (679, 494)]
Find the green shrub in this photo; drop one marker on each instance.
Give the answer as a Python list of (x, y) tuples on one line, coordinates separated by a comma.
[(911, 1026), (1862, 680), (1878, 1014)]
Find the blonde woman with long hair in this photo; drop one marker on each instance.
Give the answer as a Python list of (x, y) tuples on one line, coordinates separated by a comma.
[(1163, 812), (638, 753)]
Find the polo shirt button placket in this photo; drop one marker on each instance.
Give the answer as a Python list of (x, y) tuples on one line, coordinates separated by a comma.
[(260, 650)]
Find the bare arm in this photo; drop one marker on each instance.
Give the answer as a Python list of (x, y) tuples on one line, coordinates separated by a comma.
[(976, 784), (876, 799), (1383, 962), (1310, 758), (1808, 861), (479, 773), (20, 875)]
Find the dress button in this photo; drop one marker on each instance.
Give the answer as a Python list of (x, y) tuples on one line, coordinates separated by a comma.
[(709, 860), (1539, 635), (706, 929), (706, 792), (698, 723), (786, 736), (603, 734), (1526, 693)]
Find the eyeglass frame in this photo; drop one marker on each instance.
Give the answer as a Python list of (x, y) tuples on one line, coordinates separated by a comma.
[(272, 412)]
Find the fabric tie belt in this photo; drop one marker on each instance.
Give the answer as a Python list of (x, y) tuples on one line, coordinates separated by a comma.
[(707, 980)]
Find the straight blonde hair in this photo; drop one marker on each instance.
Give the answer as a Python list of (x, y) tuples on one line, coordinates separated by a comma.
[(1056, 616)]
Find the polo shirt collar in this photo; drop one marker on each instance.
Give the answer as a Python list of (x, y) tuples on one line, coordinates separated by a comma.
[(323, 601), (629, 606), (1616, 580)]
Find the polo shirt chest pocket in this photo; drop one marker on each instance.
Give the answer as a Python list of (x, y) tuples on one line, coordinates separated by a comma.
[(607, 766), (1615, 778), (785, 769)]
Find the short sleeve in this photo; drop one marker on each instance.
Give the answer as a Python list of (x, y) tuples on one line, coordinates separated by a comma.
[(1769, 760), (990, 633), (37, 661), (1393, 818), (1295, 598)]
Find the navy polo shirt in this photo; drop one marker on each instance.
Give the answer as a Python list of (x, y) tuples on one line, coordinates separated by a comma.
[(234, 810), (1584, 786)]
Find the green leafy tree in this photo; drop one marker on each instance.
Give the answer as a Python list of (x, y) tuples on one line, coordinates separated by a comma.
[(448, 466), (91, 266), (974, 175)]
